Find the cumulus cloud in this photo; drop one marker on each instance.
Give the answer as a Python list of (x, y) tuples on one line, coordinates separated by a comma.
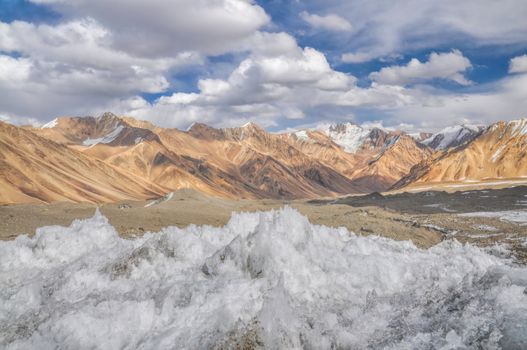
[(105, 55), (14, 71), (502, 100), (300, 84), (357, 57), (449, 66), (71, 66), (386, 27), (329, 22), (104, 51), (518, 64), (263, 88), (166, 27), (81, 42)]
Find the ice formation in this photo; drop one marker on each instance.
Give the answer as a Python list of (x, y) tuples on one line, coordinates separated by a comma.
[(265, 280), (515, 216)]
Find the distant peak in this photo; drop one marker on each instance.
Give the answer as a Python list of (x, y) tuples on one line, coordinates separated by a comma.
[(252, 126), (205, 132), (190, 126), (342, 127), (200, 126), (347, 135), (453, 136), (107, 115)]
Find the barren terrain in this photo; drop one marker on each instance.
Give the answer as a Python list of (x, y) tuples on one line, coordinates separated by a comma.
[(425, 218)]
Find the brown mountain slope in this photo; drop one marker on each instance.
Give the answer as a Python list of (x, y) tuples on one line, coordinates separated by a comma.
[(88, 131), (153, 161), (498, 152), (35, 169), (381, 160), (263, 160), (394, 161), (242, 162), (245, 162)]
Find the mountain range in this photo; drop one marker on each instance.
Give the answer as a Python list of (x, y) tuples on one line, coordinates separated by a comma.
[(111, 158)]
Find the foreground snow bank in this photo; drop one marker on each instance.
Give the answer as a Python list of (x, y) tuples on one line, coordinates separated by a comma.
[(267, 279)]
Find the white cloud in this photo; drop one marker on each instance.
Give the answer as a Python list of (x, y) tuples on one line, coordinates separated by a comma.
[(252, 92), (448, 66), (105, 51), (103, 55), (518, 64), (166, 27), (382, 28), (329, 22), (358, 57), (301, 84), (262, 88), (72, 66), (503, 100), (14, 70), (18, 120), (82, 42)]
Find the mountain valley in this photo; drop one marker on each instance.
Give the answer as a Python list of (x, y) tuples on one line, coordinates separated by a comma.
[(110, 158)]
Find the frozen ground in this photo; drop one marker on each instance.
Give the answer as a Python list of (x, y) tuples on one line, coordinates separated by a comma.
[(268, 279), (515, 216)]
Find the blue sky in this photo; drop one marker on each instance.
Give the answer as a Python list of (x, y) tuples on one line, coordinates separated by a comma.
[(411, 64)]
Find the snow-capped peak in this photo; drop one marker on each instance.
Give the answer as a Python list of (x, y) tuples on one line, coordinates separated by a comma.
[(190, 127), (301, 135), (452, 136), (347, 135)]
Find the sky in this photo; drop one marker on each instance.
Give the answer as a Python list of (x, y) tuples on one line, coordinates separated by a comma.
[(418, 65)]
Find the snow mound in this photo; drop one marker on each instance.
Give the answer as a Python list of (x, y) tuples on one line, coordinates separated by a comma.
[(265, 280)]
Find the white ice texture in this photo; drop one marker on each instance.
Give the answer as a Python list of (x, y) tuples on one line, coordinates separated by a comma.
[(266, 280)]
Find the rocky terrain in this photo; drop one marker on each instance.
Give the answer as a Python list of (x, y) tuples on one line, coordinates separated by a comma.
[(36, 169), (481, 217), (110, 158), (498, 153), (242, 162)]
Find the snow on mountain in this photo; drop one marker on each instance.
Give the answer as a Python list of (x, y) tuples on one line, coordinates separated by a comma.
[(302, 135), (420, 136), (104, 139), (497, 152), (51, 124), (348, 135), (452, 136), (266, 278), (519, 127)]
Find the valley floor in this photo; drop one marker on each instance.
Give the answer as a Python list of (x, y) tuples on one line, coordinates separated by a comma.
[(482, 217)]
